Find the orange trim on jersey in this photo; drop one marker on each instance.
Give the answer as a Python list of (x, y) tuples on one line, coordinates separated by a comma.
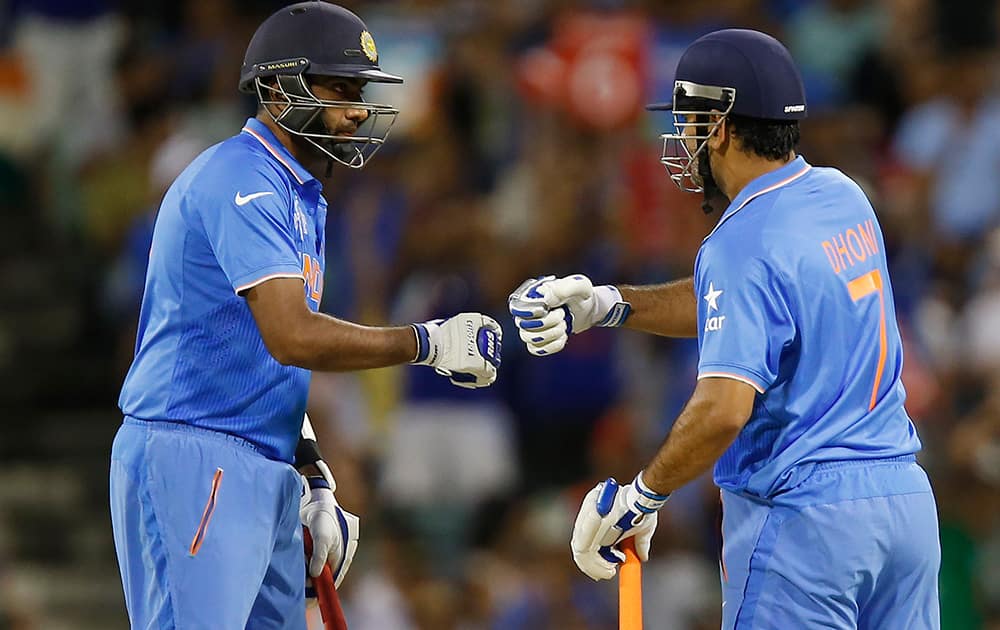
[(274, 152), (250, 285), (722, 540), (861, 287), (735, 377), (206, 516), (772, 187)]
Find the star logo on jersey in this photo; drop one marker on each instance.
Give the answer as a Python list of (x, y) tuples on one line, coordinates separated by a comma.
[(712, 297)]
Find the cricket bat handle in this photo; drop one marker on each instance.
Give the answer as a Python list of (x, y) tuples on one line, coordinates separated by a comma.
[(630, 588), (326, 593)]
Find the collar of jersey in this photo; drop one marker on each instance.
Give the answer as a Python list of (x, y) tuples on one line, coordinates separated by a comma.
[(266, 138), (766, 183)]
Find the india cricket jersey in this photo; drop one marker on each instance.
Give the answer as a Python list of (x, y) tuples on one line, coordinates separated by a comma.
[(242, 213), (794, 299)]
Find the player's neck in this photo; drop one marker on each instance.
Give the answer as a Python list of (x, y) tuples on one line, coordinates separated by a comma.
[(301, 156), (747, 169)]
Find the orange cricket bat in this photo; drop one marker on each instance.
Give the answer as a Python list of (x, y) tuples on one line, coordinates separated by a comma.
[(630, 588), (329, 602)]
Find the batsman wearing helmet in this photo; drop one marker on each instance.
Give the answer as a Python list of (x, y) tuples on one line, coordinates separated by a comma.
[(828, 521), (214, 471)]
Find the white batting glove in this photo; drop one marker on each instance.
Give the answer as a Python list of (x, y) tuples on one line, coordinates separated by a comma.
[(548, 310), (334, 530), (465, 347), (609, 514)]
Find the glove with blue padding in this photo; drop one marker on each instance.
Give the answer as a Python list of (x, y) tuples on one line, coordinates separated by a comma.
[(548, 310), (334, 530), (465, 348), (609, 514)]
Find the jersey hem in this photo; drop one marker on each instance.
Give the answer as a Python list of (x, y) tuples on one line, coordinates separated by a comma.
[(737, 374), (279, 272)]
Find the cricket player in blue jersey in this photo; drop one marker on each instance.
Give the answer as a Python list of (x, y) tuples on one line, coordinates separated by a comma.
[(828, 521), (214, 472)]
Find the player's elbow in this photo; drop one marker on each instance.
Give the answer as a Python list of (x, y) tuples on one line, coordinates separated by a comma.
[(725, 404), (288, 348), (726, 420), (282, 353), (729, 422), (285, 355)]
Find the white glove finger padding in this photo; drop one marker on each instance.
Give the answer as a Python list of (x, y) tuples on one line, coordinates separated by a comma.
[(587, 523), (473, 381), (545, 349), (592, 527), (338, 577), (594, 566), (326, 543), (644, 536), (560, 291), (542, 336), (551, 319), (350, 527)]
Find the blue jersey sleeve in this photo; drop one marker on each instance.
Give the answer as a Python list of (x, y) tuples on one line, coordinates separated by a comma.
[(250, 226), (744, 318)]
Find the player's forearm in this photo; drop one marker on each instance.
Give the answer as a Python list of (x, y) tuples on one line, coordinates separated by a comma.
[(332, 345), (700, 436), (667, 309)]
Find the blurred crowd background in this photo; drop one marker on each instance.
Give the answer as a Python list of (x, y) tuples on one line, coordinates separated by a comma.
[(522, 149)]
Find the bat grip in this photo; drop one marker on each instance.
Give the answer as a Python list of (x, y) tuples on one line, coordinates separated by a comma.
[(326, 593), (630, 588)]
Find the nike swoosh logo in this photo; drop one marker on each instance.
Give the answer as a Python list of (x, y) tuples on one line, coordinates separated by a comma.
[(242, 201)]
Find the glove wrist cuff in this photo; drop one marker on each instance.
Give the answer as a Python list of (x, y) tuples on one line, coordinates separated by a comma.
[(614, 308), (317, 481), (425, 356), (645, 499)]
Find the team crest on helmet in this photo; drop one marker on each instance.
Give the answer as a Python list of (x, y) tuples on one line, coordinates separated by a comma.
[(368, 46)]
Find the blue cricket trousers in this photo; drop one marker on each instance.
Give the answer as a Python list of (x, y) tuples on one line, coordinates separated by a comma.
[(855, 546), (206, 529)]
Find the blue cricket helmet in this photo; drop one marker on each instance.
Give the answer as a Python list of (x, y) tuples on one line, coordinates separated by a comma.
[(755, 70), (732, 71), (313, 37), (317, 38)]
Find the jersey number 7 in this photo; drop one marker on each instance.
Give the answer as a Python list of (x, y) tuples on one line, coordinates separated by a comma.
[(859, 289)]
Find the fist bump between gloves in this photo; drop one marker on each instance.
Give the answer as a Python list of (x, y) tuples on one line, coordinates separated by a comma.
[(548, 310)]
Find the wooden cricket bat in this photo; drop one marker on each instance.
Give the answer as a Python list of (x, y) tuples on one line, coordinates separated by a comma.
[(326, 593), (630, 588)]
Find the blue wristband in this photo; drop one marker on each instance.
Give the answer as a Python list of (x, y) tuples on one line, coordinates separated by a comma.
[(423, 342)]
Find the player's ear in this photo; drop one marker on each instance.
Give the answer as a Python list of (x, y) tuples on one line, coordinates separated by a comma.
[(718, 140), (272, 93)]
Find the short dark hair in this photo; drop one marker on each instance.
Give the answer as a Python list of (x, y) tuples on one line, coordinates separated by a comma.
[(770, 139)]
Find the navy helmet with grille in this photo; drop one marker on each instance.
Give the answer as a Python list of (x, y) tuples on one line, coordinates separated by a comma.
[(310, 39), (754, 69), (732, 71), (313, 37)]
